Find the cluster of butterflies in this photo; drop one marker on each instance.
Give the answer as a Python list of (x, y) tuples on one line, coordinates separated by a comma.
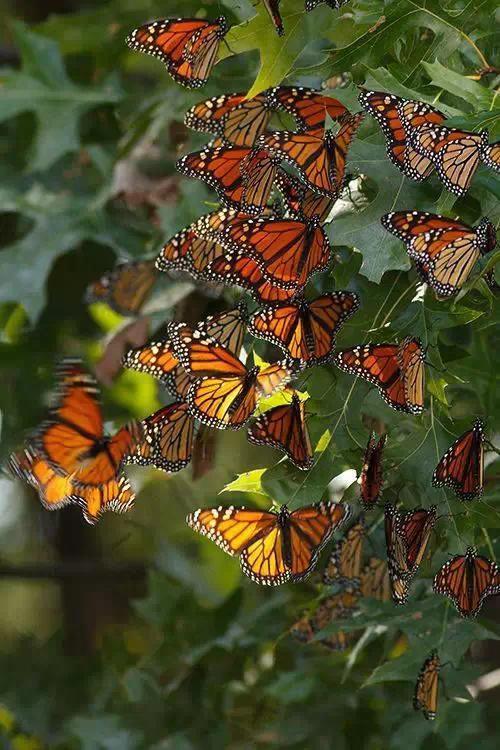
[(271, 251)]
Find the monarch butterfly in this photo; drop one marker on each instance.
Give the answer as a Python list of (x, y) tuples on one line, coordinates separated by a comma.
[(288, 252), (490, 155), (371, 473), (273, 8), (307, 107), (305, 330), (425, 698), (273, 547), (334, 4), (406, 536), (396, 370), (301, 202), (345, 561), (284, 427), (330, 609), (468, 580), (242, 178), (188, 252), (125, 288), (72, 440), (462, 466), (319, 161), (157, 359), (445, 251), (224, 393), (398, 117), (187, 46), (168, 439), (374, 580), (455, 154), (232, 117)]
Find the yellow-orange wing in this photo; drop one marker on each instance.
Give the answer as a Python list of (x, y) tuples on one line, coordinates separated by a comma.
[(425, 698), (168, 439), (126, 287), (345, 561)]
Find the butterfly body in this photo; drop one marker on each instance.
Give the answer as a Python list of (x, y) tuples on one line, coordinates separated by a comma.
[(273, 547)]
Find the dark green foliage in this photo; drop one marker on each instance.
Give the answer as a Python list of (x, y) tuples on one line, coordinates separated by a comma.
[(190, 655)]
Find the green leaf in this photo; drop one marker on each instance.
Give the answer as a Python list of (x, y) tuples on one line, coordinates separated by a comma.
[(43, 87), (277, 54), (104, 732), (470, 91), (250, 481)]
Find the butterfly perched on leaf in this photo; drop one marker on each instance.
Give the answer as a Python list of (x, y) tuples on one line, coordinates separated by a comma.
[(320, 161), (300, 201), (224, 392), (273, 548), (241, 177), (462, 466), (396, 369), (72, 444), (346, 558), (398, 118), (455, 154), (284, 427), (468, 580), (374, 580), (125, 288), (187, 46), (156, 358), (444, 251), (331, 609), (309, 108), (305, 330), (406, 535), (232, 117), (288, 252), (168, 439), (371, 480), (425, 697)]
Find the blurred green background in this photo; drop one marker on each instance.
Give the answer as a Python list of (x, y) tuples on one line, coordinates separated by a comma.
[(135, 634)]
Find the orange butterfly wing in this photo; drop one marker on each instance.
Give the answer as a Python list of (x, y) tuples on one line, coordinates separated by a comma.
[(462, 466), (308, 107), (371, 473), (425, 698), (284, 427), (311, 156), (468, 580), (188, 47), (125, 288), (305, 330), (310, 529), (345, 561), (232, 117), (168, 439)]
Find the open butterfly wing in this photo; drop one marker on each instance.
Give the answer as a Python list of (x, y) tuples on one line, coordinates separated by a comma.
[(75, 422), (155, 358), (490, 155), (309, 108), (104, 462), (410, 358), (349, 125), (114, 495), (310, 529), (468, 580), (300, 201), (284, 427), (462, 466), (308, 154), (55, 491), (232, 529)]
